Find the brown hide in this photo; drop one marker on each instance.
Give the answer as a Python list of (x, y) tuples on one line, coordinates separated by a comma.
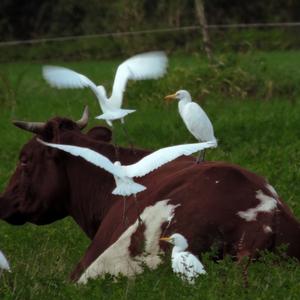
[(207, 214), (49, 184)]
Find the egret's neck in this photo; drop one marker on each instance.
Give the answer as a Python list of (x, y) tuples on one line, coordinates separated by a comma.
[(182, 103), (102, 98), (176, 250)]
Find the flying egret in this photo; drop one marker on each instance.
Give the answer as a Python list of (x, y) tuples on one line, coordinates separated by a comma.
[(150, 65), (125, 186), (194, 118), (184, 263), (4, 264)]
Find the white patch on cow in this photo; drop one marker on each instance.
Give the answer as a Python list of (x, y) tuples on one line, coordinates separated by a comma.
[(267, 204), (116, 259), (272, 190), (267, 229), (217, 181)]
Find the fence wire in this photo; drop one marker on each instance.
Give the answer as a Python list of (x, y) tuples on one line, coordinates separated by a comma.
[(149, 31)]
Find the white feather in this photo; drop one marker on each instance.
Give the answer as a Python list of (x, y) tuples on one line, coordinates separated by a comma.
[(194, 117), (126, 187), (115, 114), (149, 65), (61, 77), (163, 156), (124, 174), (197, 122), (184, 263), (4, 264), (187, 266), (91, 156)]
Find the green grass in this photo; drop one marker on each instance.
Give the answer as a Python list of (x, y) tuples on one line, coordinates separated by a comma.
[(253, 102)]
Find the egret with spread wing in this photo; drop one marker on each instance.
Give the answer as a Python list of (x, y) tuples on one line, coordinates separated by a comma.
[(150, 65), (123, 175), (194, 118), (125, 186), (184, 263)]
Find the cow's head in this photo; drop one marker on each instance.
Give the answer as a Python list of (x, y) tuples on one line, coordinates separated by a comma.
[(38, 191)]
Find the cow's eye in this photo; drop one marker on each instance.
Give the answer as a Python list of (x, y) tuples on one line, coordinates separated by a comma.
[(23, 161)]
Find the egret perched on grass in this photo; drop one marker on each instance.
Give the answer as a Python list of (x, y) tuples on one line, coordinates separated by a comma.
[(150, 65), (194, 118), (125, 186), (184, 263), (4, 264)]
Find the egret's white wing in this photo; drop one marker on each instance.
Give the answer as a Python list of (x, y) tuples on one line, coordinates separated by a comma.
[(187, 266), (163, 156), (91, 156), (61, 77), (4, 264), (150, 65), (195, 264), (197, 122)]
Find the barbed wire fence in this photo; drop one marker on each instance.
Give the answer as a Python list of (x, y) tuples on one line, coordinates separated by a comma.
[(150, 31)]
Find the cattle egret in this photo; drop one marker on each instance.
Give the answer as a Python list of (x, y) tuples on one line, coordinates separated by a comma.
[(150, 65), (194, 118), (125, 186), (4, 264), (184, 263)]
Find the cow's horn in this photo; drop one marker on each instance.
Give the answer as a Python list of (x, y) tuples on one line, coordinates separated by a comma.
[(84, 119), (35, 127)]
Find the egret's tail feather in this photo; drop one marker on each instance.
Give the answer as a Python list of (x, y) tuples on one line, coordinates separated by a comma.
[(214, 143), (115, 115), (128, 188)]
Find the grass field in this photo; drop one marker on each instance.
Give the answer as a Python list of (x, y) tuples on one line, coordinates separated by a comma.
[(253, 101)]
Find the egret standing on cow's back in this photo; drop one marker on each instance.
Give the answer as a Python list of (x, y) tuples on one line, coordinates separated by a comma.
[(194, 118), (184, 263)]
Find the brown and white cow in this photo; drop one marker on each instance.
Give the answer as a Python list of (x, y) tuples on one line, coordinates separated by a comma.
[(212, 203)]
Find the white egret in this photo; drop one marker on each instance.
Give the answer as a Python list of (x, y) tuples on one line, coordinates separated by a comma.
[(125, 186), (150, 65), (4, 264), (184, 263), (194, 118)]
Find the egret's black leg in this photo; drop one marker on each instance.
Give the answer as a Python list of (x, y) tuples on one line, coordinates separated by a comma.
[(201, 156), (137, 207), (124, 217), (114, 141), (128, 137)]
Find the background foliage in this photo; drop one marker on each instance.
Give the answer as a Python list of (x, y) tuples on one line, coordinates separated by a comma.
[(46, 18), (21, 20), (250, 91), (253, 101)]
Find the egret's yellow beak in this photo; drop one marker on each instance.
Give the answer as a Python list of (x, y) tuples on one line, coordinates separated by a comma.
[(170, 97), (166, 239)]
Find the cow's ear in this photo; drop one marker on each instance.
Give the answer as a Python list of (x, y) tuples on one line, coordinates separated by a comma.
[(100, 133), (51, 133)]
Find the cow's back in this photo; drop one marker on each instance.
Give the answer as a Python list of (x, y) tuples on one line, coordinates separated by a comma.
[(207, 197), (211, 204)]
